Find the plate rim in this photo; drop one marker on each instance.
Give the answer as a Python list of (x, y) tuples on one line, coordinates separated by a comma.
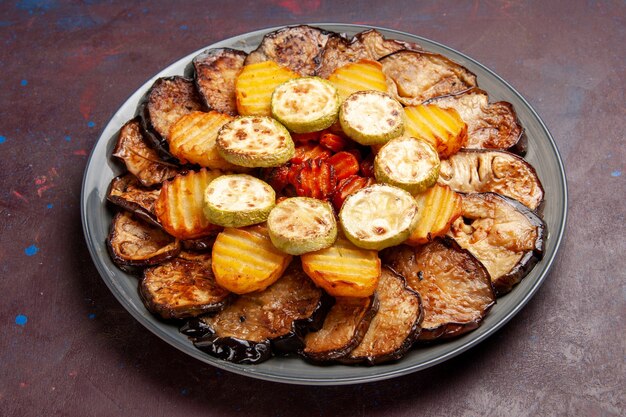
[(249, 370)]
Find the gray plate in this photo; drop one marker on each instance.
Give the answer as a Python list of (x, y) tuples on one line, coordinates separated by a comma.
[(542, 154)]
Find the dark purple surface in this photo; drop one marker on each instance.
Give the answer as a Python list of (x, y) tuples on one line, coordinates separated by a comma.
[(69, 349)]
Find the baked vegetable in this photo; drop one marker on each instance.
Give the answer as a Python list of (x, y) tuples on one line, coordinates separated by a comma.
[(193, 139), (307, 104), (247, 329), (256, 83), (132, 242), (455, 287), (127, 193), (438, 207), (378, 216), (481, 171), (245, 260), (141, 160), (414, 77), (295, 47), (489, 125), (182, 287), (299, 225), (362, 75), (215, 73), (167, 101), (371, 117), (442, 128), (347, 186), (255, 141), (395, 326), (343, 270), (408, 163), (503, 234), (180, 206), (344, 327)]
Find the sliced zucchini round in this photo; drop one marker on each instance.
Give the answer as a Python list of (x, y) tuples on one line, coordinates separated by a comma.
[(409, 163), (378, 216), (371, 117), (255, 141), (307, 104), (299, 225), (238, 200)]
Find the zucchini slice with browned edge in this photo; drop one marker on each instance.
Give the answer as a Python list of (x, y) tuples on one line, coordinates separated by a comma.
[(371, 117)]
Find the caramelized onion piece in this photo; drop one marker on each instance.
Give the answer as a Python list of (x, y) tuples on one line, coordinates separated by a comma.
[(503, 234), (182, 287), (127, 193), (132, 242), (414, 77), (455, 287)]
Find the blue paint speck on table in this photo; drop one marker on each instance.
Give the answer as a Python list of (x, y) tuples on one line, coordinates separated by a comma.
[(31, 250), (184, 27), (49, 205), (184, 391), (91, 316), (3, 139), (21, 320), (616, 173), (91, 124), (24, 82), (68, 138)]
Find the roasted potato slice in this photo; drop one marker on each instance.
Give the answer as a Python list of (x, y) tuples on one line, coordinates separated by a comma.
[(362, 75), (369, 44), (180, 206), (193, 136), (140, 159), (455, 287), (489, 125), (295, 47), (442, 128), (167, 101), (343, 270), (481, 171), (132, 242), (182, 287), (245, 331), (245, 260), (394, 327), (438, 208), (503, 234), (344, 327), (127, 193), (414, 77), (256, 83), (215, 74)]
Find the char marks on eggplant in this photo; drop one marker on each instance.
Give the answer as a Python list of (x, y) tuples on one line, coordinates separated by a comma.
[(295, 47), (489, 125), (503, 234), (455, 287), (215, 73), (414, 77), (127, 193), (481, 171)]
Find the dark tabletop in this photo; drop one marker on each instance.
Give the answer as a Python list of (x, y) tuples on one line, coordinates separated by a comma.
[(67, 346)]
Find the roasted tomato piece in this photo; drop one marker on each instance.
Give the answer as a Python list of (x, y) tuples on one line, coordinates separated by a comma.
[(334, 142), (316, 179), (310, 151), (367, 166), (345, 165), (306, 138)]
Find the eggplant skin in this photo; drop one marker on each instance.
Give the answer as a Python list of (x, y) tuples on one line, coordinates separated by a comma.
[(126, 192), (235, 350)]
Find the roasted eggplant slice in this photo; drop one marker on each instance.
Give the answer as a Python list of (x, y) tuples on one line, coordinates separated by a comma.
[(295, 47), (395, 326), (140, 159), (167, 101), (503, 234), (455, 287), (127, 193), (132, 242), (414, 77), (202, 244), (369, 44), (182, 287), (344, 327), (489, 125), (245, 331), (215, 74), (481, 171)]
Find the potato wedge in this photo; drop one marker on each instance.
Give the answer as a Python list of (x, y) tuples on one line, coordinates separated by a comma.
[(180, 206), (256, 83), (343, 269), (442, 128), (192, 139), (245, 260), (438, 208), (362, 75)]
